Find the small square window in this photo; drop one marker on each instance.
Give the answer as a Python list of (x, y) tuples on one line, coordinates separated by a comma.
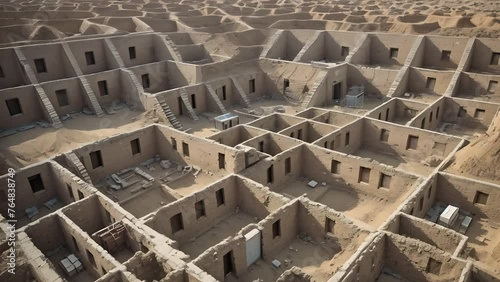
[(492, 86), (276, 229), (62, 97), (145, 81), (251, 86), (103, 87), (200, 209), (14, 106), (384, 135), (344, 51), (96, 159), (174, 143), (495, 59), (394, 53), (185, 149), (136, 146), (335, 167), (220, 197), (445, 55), (89, 57), (364, 175), (430, 83), (329, 225), (479, 114), (91, 258), (40, 65), (80, 195), (412, 142), (481, 198), (131, 52), (176, 223), (385, 181), (36, 183), (288, 165)]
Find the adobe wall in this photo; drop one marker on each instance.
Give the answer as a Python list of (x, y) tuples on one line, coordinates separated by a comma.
[(212, 260), (30, 106), (335, 40), (56, 61), (417, 80), (481, 55), (315, 51), (461, 192), (398, 138), (73, 91), (103, 60), (203, 153), (201, 99), (88, 214), (256, 199), (426, 194), (301, 76), (471, 118), (260, 84), (417, 254), (186, 206), (258, 172), (236, 135), (381, 43), (435, 44), (367, 263), (476, 84), (324, 93), (114, 84), (47, 234), (116, 152), (339, 138), (159, 78), (289, 226), (434, 115), (316, 165), (428, 232), (13, 77), (144, 49), (25, 197), (376, 81)]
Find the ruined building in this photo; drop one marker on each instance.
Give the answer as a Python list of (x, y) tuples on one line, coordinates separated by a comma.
[(217, 144)]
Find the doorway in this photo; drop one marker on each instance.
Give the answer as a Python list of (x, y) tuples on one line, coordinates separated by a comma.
[(228, 263), (179, 102), (337, 91)]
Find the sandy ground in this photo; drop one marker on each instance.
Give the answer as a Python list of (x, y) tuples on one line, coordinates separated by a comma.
[(42, 21), (39, 144)]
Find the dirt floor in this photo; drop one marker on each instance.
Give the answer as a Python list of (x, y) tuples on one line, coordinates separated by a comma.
[(227, 227)]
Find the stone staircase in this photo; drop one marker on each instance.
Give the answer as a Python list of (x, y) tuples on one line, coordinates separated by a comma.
[(215, 98), (362, 41), (241, 92), (51, 112), (187, 104), (272, 41), (321, 78), (47, 106), (114, 52), (170, 116), (75, 162), (308, 44), (417, 45), (172, 48), (94, 104), (464, 61)]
